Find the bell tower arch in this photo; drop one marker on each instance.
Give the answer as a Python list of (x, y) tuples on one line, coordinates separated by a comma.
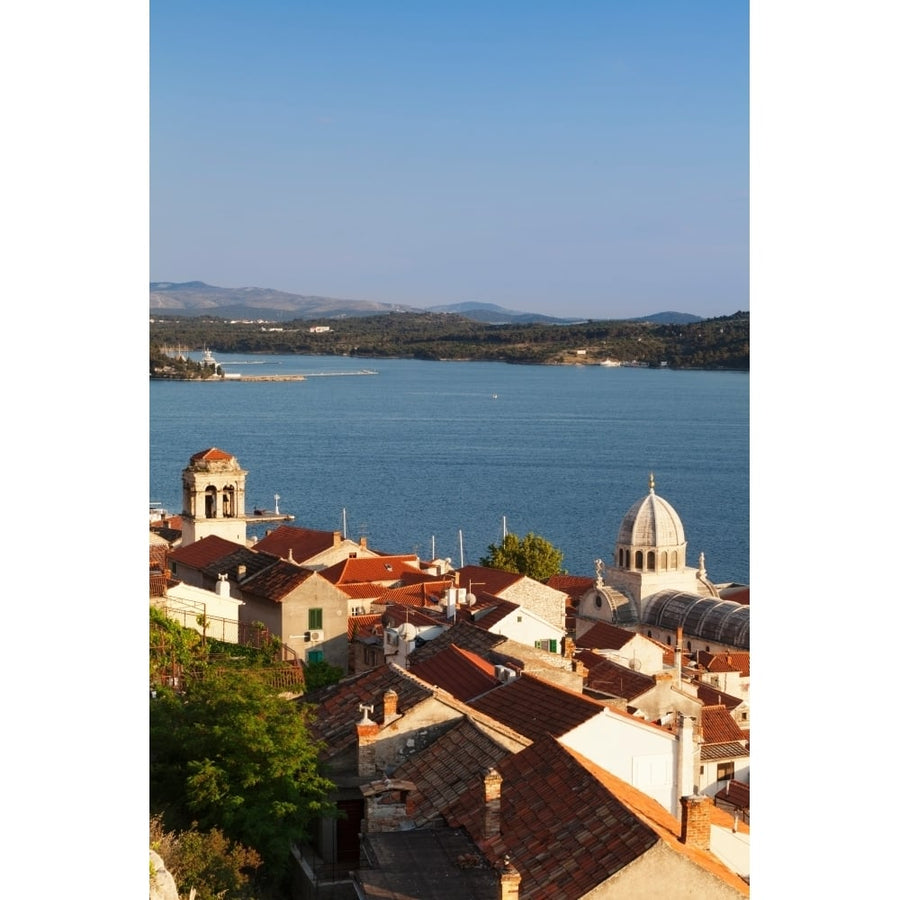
[(213, 497)]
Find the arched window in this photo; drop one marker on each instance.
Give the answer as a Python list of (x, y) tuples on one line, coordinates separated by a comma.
[(210, 502), (651, 560), (674, 559), (627, 559), (228, 502), (664, 561), (639, 560)]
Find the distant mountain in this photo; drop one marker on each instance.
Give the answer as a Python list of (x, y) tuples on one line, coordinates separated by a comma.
[(492, 314), (669, 318), (196, 298)]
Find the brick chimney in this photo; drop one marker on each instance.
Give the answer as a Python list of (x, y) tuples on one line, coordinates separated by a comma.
[(390, 705), (366, 734), (492, 781), (336, 539), (509, 881), (568, 647), (695, 821), (364, 542)]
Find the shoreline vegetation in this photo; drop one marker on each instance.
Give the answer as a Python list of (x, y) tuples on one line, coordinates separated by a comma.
[(721, 343)]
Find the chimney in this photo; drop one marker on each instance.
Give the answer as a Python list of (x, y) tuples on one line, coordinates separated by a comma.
[(366, 734), (222, 587), (241, 571), (695, 821), (679, 635), (568, 647), (492, 781), (685, 772), (290, 556), (390, 705), (509, 881), (363, 542), (337, 538)]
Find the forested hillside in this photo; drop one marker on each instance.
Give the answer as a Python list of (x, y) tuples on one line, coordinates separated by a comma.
[(718, 343)]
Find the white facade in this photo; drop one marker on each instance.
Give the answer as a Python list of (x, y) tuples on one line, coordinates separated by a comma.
[(190, 606), (643, 755)]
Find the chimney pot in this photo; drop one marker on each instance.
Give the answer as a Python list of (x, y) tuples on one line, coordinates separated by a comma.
[(492, 782), (695, 821), (390, 704)]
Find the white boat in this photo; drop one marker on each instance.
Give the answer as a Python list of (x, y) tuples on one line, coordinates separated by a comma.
[(610, 363), (208, 359)]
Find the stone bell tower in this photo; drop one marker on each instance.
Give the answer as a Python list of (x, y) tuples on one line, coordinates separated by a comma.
[(213, 496)]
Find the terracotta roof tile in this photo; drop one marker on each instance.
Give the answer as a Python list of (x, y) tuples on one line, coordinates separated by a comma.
[(534, 707), (729, 661), (463, 674), (337, 710), (735, 750), (363, 626), (608, 677), (718, 727), (576, 586), (736, 793), (604, 636), (301, 543), (493, 581), (666, 825), (385, 569), (276, 581), (445, 769), (201, 553), (713, 696), (243, 560), (212, 453), (562, 829)]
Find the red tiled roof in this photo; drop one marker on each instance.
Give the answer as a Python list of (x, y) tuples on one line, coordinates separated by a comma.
[(608, 677), (492, 610), (398, 613), (464, 635), (301, 543), (425, 593), (726, 661), (211, 453), (666, 825), (459, 672), (561, 828), (718, 727), (445, 769), (244, 559), (736, 793), (576, 586), (734, 750), (365, 591), (491, 581), (337, 710), (712, 696), (205, 551), (276, 581), (363, 626), (604, 636), (534, 707), (379, 568)]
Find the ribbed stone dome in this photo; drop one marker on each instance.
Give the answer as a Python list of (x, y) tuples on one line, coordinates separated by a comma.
[(651, 522)]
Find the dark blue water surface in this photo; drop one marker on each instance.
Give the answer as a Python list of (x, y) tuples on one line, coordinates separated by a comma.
[(422, 451)]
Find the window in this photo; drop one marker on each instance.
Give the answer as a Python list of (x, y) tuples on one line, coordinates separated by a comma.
[(313, 656), (315, 618), (549, 645), (725, 771)]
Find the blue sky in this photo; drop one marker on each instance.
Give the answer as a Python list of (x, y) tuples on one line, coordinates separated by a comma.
[(584, 158)]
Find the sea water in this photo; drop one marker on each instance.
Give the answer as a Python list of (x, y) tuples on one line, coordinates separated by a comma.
[(435, 458)]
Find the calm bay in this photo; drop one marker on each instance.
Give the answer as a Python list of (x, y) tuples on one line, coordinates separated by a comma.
[(420, 451)]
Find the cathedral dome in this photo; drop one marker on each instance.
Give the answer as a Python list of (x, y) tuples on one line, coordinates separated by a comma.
[(651, 537), (651, 522)]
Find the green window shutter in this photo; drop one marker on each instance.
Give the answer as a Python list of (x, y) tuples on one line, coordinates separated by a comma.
[(553, 645), (315, 618), (314, 656)]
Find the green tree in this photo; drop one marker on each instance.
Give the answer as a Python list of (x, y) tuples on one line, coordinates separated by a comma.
[(532, 555), (230, 753), (207, 862)]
